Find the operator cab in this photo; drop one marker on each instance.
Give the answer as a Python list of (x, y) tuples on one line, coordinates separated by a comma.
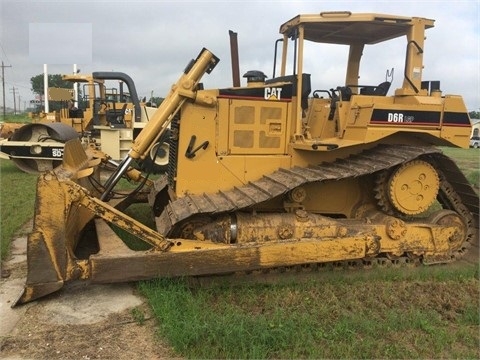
[(354, 112)]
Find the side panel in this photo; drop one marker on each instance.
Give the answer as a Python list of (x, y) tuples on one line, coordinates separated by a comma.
[(368, 119), (254, 127), (246, 139)]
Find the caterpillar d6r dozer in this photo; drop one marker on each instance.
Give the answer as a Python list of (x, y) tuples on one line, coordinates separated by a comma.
[(272, 174)]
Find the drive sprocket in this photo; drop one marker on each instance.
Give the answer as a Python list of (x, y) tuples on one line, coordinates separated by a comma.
[(410, 189)]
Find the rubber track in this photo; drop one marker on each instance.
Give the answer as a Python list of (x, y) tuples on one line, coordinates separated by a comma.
[(281, 181)]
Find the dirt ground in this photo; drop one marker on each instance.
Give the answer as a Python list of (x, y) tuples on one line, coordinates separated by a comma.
[(79, 322), (116, 336)]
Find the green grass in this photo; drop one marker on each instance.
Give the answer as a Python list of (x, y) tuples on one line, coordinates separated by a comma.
[(468, 160), (21, 118), (137, 211), (17, 197), (372, 314)]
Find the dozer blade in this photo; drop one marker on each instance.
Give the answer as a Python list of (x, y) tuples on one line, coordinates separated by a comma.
[(63, 208), (47, 246)]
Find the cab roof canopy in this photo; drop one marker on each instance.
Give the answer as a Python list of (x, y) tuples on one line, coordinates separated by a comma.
[(343, 27), (81, 78)]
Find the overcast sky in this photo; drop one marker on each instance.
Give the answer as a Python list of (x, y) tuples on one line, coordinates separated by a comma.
[(152, 41)]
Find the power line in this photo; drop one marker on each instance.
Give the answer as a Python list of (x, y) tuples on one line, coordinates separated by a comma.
[(4, 53), (3, 87), (13, 72), (17, 85), (14, 101)]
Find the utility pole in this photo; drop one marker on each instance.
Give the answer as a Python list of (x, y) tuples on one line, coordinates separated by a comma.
[(75, 87), (3, 86), (14, 102), (45, 88)]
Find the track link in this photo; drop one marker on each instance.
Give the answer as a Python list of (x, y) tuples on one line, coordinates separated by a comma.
[(455, 192)]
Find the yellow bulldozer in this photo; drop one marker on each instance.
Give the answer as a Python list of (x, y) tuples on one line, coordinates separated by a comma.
[(273, 174)]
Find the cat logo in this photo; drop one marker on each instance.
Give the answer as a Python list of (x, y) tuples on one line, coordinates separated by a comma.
[(273, 93)]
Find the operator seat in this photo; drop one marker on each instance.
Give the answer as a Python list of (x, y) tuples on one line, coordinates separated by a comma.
[(382, 89), (379, 90), (116, 118)]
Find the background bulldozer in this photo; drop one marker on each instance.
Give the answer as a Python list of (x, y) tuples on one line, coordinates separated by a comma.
[(273, 174)]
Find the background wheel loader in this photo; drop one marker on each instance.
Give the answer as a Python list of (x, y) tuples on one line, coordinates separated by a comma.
[(273, 174)]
